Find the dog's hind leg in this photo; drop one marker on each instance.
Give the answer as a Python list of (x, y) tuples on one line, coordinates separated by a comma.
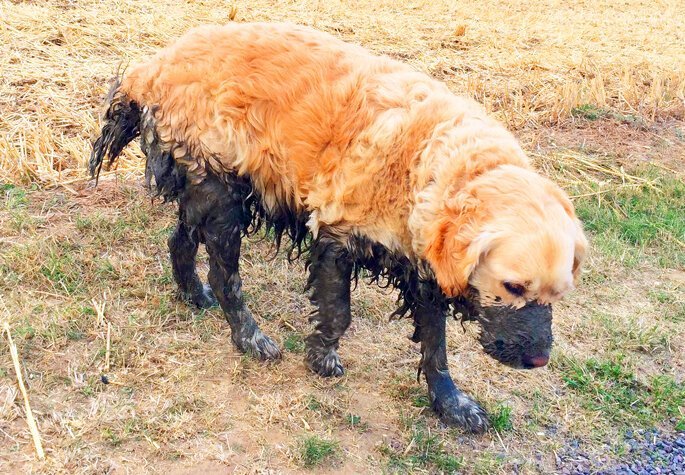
[(183, 245), (453, 406), (222, 228), (330, 269)]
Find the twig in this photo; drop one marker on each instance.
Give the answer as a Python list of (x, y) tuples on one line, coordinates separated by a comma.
[(100, 310), (109, 327), (506, 449), (20, 380)]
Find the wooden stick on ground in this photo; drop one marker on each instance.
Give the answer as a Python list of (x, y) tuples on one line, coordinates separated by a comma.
[(109, 327), (20, 380)]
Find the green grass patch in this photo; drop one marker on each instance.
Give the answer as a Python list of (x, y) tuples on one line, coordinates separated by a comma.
[(592, 112), (626, 333), (671, 304), (631, 222), (14, 197), (589, 112), (488, 463), (355, 422), (315, 450), (424, 451), (62, 270), (294, 343), (414, 394), (612, 389), (500, 418)]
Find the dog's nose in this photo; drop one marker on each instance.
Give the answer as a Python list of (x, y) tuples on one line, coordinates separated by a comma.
[(537, 361)]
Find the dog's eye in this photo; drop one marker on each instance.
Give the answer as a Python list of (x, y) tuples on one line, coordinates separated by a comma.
[(514, 289)]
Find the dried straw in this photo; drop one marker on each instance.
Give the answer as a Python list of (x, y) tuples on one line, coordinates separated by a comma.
[(33, 427)]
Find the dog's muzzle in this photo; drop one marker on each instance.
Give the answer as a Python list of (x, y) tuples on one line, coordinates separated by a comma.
[(519, 338)]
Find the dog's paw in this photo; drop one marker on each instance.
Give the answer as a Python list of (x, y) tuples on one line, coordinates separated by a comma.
[(325, 364), (259, 346), (461, 411), (202, 297)]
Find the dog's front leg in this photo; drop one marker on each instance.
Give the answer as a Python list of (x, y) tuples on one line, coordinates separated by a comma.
[(453, 406), (330, 268)]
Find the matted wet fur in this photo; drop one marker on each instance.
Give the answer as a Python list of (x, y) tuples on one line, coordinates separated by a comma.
[(370, 168)]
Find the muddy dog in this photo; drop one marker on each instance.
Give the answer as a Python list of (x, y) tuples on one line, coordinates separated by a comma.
[(365, 164)]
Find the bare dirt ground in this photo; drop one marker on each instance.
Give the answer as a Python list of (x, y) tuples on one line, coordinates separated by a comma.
[(596, 93)]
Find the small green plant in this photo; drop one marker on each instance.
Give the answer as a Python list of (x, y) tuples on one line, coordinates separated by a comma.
[(315, 450), (62, 270), (294, 343), (424, 451), (588, 111), (487, 464), (629, 334), (415, 394), (25, 330), (313, 404), (500, 418), (110, 436), (355, 422), (15, 197)]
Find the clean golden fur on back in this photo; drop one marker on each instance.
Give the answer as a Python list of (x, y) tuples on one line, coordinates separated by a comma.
[(365, 145)]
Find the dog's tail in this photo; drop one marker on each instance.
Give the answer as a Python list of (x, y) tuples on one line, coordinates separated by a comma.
[(121, 125)]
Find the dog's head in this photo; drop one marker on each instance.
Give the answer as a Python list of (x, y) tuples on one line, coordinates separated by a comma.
[(510, 243)]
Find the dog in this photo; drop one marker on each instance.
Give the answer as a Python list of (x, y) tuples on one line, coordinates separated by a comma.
[(364, 164)]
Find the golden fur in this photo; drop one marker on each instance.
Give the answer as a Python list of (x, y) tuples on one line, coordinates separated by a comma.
[(366, 146)]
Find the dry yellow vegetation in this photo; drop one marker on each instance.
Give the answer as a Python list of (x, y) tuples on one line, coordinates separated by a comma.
[(531, 62)]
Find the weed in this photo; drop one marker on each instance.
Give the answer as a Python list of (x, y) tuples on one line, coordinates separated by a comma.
[(62, 271), (88, 391), (112, 437), (315, 450), (313, 404), (355, 422), (25, 330), (410, 392), (610, 388), (105, 270), (628, 334), (589, 112), (424, 451), (629, 220), (488, 463), (15, 197), (500, 418), (294, 343)]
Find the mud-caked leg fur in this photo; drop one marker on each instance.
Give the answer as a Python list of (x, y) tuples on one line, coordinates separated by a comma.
[(453, 406), (330, 268), (183, 245), (219, 211)]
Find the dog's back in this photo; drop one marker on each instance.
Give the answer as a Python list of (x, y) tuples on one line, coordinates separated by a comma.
[(317, 124)]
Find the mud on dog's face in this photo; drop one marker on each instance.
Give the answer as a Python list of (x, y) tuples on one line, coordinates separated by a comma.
[(512, 246)]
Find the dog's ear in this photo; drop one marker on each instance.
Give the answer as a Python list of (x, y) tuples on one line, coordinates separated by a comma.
[(581, 242), (457, 243), (580, 251)]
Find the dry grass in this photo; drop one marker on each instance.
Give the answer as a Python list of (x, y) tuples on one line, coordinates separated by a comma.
[(532, 63), (588, 86)]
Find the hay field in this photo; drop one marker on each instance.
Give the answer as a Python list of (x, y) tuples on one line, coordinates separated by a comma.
[(594, 89)]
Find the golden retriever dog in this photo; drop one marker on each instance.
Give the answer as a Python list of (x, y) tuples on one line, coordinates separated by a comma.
[(364, 163)]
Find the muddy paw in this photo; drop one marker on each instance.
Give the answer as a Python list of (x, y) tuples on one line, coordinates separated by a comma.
[(326, 364), (259, 346), (461, 411), (202, 298)]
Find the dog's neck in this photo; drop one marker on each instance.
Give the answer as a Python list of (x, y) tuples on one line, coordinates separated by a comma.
[(459, 152)]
